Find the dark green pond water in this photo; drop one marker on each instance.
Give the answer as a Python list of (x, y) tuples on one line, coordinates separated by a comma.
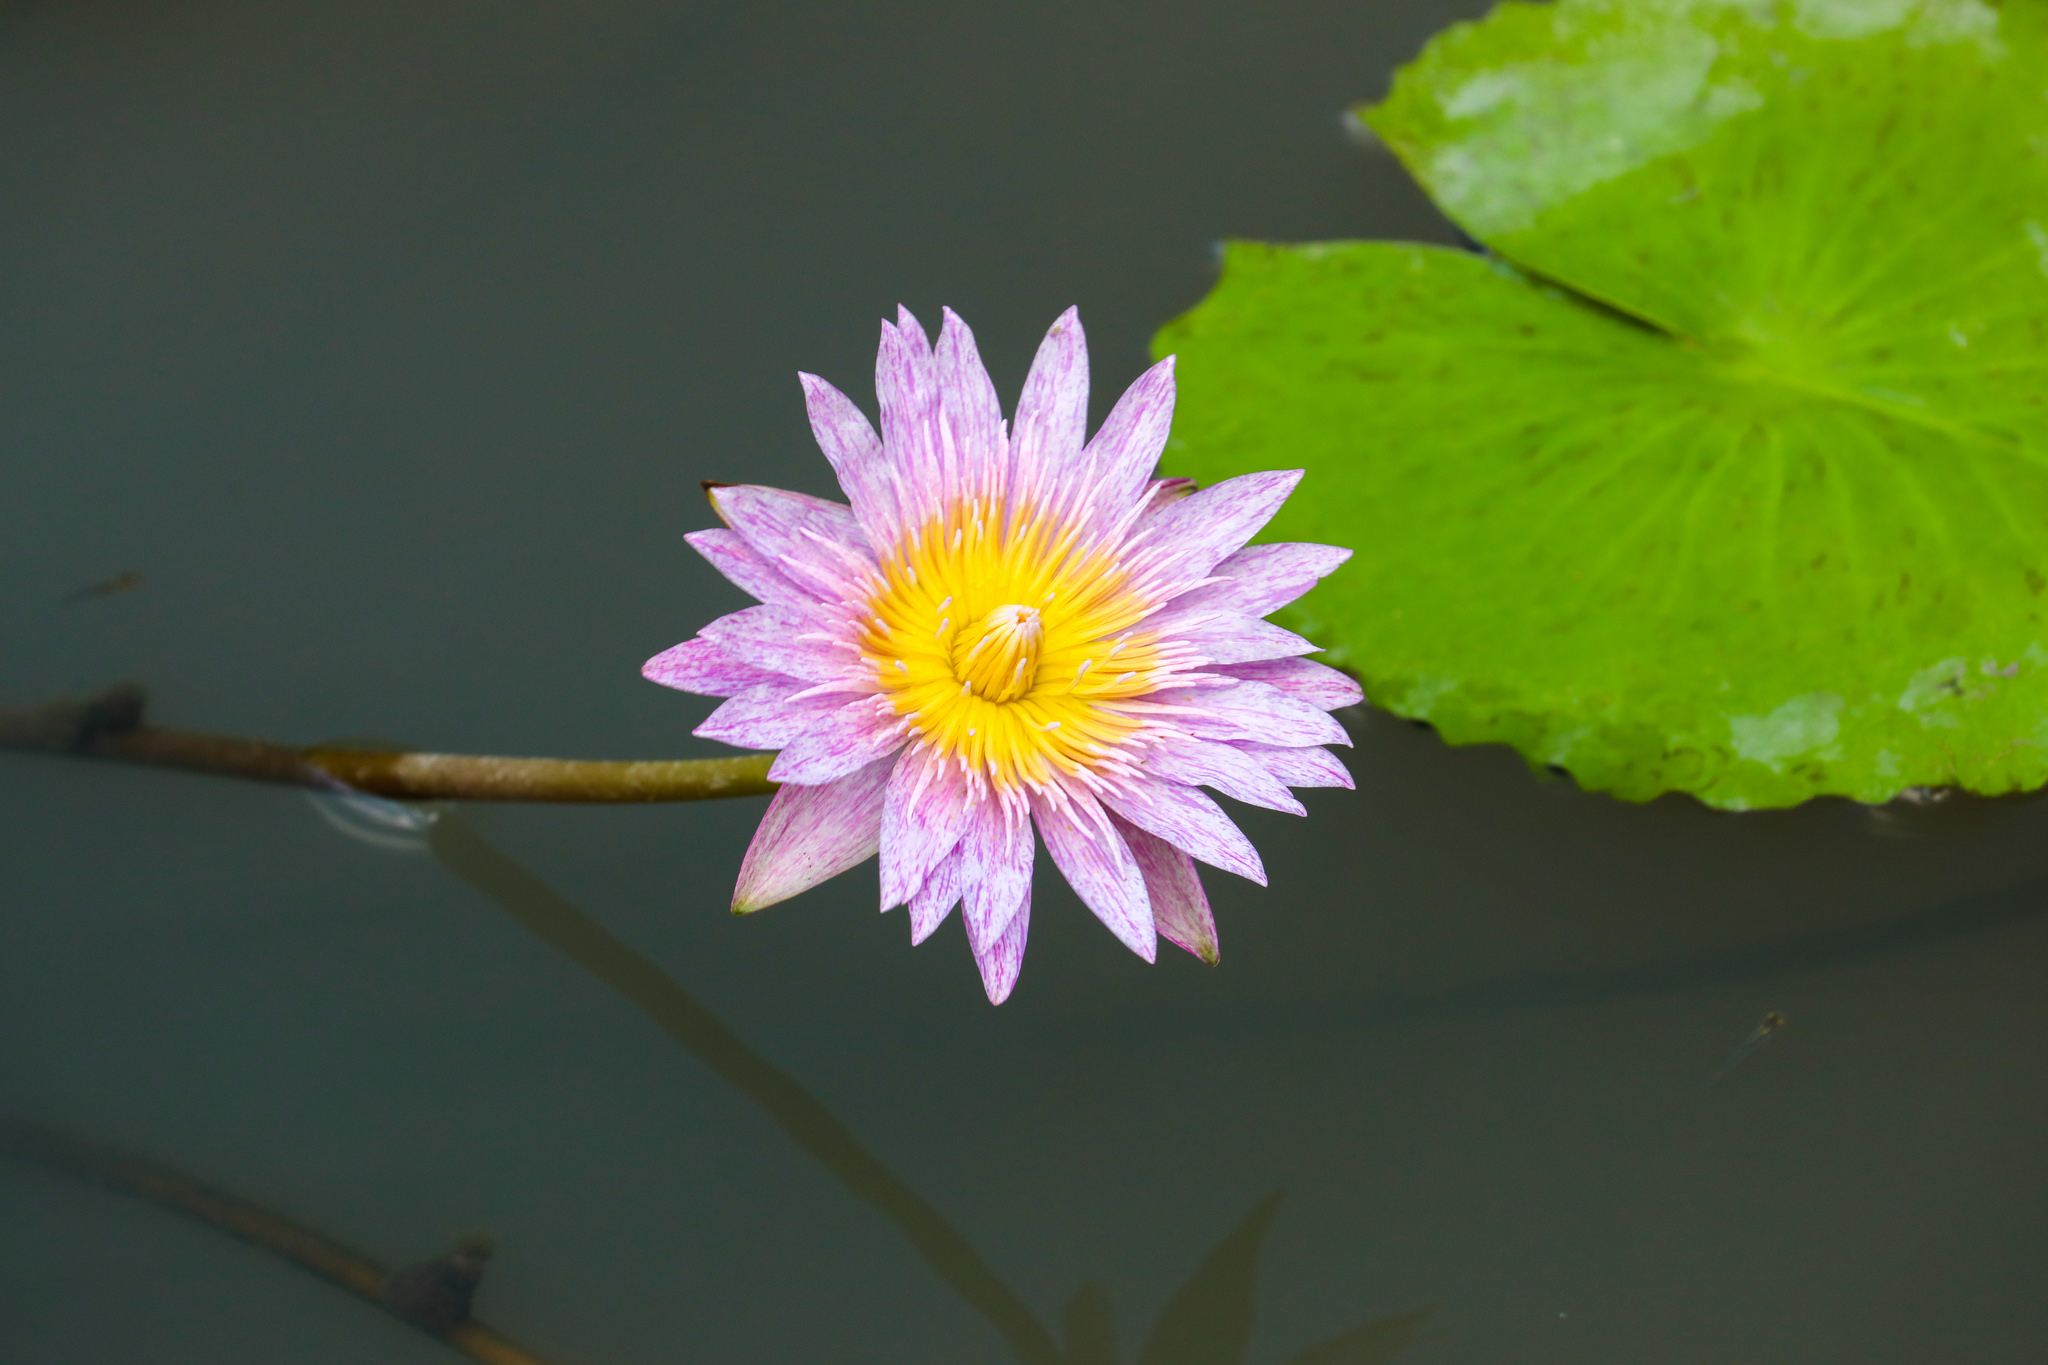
[(389, 344)]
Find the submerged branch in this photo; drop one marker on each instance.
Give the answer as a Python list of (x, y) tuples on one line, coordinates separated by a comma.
[(63, 1154), (110, 726)]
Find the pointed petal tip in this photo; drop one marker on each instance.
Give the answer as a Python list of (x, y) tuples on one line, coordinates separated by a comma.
[(1069, 321)]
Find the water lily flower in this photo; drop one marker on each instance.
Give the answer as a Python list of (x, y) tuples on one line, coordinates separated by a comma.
[(1008, 628)]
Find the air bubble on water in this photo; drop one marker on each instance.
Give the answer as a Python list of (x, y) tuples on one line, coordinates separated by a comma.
[(398, 826)]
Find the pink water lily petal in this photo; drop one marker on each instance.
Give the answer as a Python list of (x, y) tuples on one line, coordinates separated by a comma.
[(937, 897), (1319, 685), (856, 456), (906, 382), (1206, 763), (922, 821), (1258, 712), (746, 568), (1309, 767), (1180, 907), (847, 737), (1185, 542), (1002, 960), (1092, 856), (1123, 453), (997, 848), (767, 715), (977, 448), (786, 640), (1260, 579), (700, 666), (1187, 819), (815, 543), (812, 834), (1052, 415), (1225, 637)]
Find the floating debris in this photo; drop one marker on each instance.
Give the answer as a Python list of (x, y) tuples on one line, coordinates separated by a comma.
[(106, 587), (1767, 1029)]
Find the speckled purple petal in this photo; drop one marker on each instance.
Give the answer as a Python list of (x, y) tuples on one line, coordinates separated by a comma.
[(855, 454), (1180, 908), (922, 821), (1255, 711), (814, 542), (1159, 495), (1052, 414), (1185, 543), (744, 566), (1307, 767), (1222, 637), (1002, 960), (779, 639), (997, 850), (906, 383), (1188, 820), (1092, 856), (700, 666), (1206, 763), (845, 738), (937, 897), (1121, 457), (812, 834), (765, 717), (1260, 579), (977, 454), (1306, 680)]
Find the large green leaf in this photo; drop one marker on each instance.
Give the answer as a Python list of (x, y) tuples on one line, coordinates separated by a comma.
[(1735, 482)]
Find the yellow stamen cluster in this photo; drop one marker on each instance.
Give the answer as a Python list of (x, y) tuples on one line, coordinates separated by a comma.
[(1008, 649)]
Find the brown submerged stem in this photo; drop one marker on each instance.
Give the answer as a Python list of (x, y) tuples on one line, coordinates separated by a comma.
[(110, 726), (63, 1154)]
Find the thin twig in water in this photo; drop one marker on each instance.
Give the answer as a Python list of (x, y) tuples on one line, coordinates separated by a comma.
[(110, 726), (64, 1154)]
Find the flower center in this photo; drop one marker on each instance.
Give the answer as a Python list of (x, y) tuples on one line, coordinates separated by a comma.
[(1010, 654), (998, 660)]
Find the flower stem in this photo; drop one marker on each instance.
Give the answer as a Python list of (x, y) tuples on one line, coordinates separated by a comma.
[(110, 726), (61, 1153)]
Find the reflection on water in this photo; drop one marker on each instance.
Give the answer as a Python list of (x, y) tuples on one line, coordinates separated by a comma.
[(1208, 1322), (396, 826)]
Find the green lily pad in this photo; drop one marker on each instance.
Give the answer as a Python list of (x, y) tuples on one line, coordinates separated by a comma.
[(1728, 474)]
